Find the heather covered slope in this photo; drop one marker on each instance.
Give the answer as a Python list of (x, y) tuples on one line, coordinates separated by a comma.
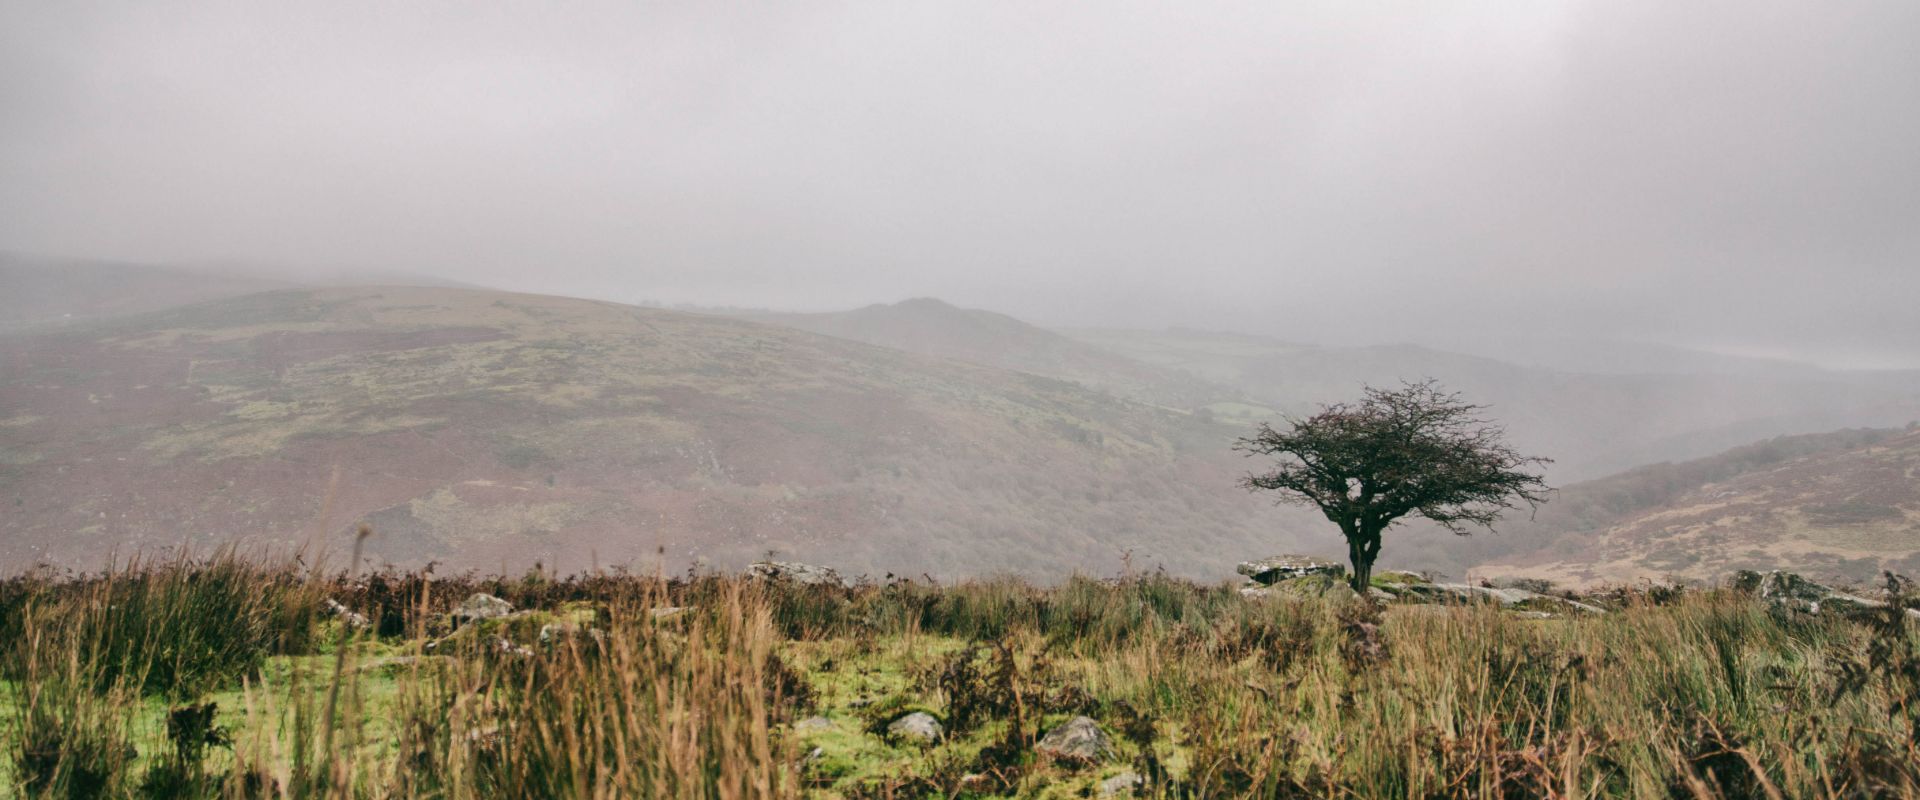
[(490, 429), (1579, 512), (1834, 514)]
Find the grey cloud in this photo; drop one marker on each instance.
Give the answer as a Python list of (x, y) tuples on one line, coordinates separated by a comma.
[(1733, 175)]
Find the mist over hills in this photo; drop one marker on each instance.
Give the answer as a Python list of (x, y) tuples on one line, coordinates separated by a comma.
[(37, 290), (1592, 424), (934, 327), (486, 429), (1614, 357), (40, 290)]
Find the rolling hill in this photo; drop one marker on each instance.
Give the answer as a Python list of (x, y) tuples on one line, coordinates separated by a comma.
[(1838, 508), (489, 429), (936, 328), (37, 291), (1593, 425)]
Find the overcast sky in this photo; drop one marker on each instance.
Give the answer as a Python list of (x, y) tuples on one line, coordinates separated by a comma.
[(1740, 175)]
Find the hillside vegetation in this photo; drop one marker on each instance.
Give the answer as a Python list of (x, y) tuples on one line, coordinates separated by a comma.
[(1563, 527), (1842, 507), (485, 428), (932, 327), (230, 679)]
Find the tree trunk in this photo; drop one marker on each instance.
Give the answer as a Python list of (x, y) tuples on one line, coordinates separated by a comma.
[(1362, 548)]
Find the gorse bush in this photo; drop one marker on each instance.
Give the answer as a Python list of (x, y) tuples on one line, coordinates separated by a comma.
[(216, 679)]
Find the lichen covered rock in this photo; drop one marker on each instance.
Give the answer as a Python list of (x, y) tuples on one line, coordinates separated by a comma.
[(481, 606), (918, 726), (796, 572), (1078, 740)]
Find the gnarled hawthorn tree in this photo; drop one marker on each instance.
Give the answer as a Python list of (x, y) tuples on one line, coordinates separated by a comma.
[(1414, 450)]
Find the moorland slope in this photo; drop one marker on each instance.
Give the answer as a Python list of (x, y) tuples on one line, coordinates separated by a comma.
[(1839, 514), (491, 429)]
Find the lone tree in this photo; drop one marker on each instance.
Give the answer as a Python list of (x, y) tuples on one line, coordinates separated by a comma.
[(1413, 450)]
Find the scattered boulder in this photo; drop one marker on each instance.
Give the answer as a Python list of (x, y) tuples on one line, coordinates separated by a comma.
[(918, 726), (813, 724), (1124, 784), (1319, 585), (482, 606), (796, 572), (1078, 740), (1790, 590), (1525, 584), (554, 632), (348, 616), (1269, 571), (1399, 577), (1506, 598)]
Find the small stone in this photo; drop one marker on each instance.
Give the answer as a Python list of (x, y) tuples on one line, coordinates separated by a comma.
[(667, 612), (918, 726), (1078, 740), (482, 606), (813, 724), (1122, 785)]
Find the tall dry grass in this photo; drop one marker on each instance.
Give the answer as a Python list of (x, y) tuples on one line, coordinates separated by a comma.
[(1208, 694)]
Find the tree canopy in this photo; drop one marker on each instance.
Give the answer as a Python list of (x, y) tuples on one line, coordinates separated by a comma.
[(1416, 450)]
